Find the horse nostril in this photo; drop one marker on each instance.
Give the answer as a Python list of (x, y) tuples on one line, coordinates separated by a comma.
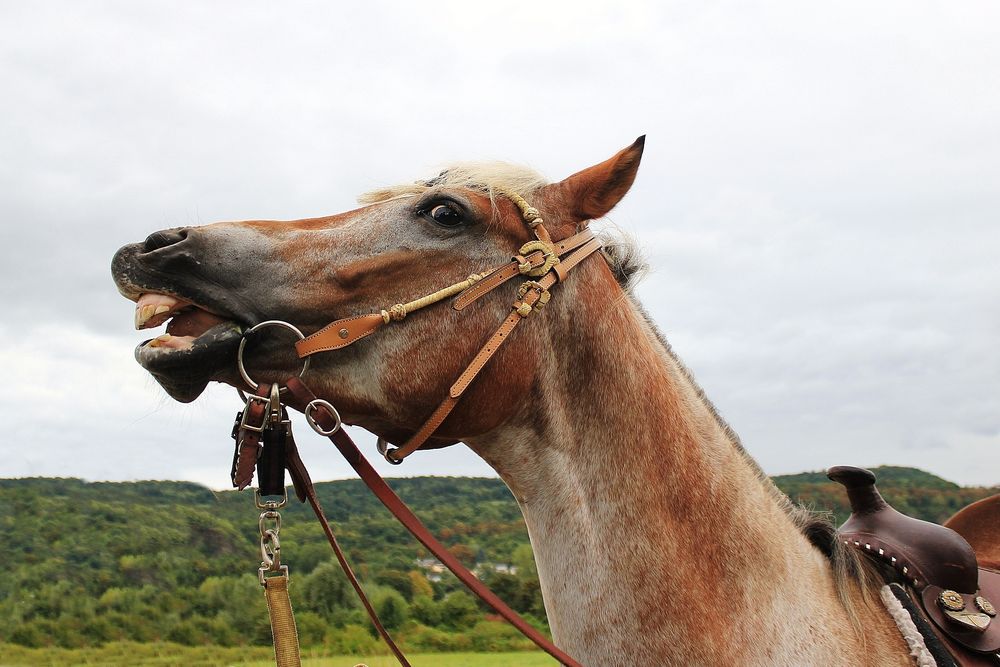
[(163, 238)]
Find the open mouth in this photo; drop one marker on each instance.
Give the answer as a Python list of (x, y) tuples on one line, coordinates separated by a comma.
[(196, 346), (186, 322)]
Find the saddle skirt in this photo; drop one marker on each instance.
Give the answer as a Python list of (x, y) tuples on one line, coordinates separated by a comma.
[(938, 566)]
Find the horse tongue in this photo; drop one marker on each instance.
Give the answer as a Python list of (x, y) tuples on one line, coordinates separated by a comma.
[(194, 322)]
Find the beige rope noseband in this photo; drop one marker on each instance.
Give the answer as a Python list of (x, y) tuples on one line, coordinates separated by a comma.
[(401, 310)]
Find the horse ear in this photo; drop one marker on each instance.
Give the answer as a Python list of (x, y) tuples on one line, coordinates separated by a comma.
[(591, 193)]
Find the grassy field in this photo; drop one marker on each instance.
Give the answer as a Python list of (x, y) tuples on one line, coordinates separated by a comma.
[(128, 654)]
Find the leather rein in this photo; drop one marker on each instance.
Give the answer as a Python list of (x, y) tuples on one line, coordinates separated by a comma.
[(263, 434)]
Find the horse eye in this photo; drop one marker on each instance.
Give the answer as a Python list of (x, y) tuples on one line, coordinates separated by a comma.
[(445, 215)]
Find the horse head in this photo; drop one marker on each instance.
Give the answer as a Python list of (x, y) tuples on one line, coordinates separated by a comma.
[(210, 283)]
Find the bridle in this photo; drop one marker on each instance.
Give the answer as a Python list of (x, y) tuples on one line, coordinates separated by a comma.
[(263, 434), (541, 259)]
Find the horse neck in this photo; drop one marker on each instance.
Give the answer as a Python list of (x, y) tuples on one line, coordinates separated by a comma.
[(654, 535)]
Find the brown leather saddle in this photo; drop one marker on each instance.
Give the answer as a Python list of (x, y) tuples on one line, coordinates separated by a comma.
[(945, 588)]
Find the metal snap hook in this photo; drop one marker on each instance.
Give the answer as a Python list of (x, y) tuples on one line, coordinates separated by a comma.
[(253, 384), (270, 551)]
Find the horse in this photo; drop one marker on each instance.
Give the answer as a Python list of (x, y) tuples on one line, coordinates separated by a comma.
[(978, 524), (658, 539)]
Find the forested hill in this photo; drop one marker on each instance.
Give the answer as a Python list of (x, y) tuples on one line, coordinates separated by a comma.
[(909, 490), (88, 562)]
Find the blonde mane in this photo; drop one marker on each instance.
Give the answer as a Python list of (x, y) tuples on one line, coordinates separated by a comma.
[(490, 178)]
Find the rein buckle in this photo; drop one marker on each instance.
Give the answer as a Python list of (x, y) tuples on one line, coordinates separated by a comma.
[(244, 416), (524, 307)]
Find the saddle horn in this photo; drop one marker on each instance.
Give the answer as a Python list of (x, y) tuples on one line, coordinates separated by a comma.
[(922, 552)]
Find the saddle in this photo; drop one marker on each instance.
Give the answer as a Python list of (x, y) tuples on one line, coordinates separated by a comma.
[(934, 574)]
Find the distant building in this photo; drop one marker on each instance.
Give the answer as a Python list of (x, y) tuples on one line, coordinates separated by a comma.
[(434, 569)]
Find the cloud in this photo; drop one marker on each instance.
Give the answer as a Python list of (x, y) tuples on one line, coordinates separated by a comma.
[(86, 409), (818, 195)]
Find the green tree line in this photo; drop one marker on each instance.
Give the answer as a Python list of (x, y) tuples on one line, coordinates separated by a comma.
[(90, 563)]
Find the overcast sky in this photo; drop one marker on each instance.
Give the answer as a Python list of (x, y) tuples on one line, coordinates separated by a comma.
[(818, 197)]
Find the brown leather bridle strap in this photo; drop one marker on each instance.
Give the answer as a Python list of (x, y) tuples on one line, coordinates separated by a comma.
[(339, 334), (346, 567), (512, 269), (248, 434), (349, 330), (534, 297), (300, 396)]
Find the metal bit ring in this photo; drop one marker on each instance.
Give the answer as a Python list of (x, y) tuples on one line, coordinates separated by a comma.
[(253, 384)]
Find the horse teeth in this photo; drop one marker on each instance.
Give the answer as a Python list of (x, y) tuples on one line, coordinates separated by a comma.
[(159, 340), (140, 316), (153, 309)]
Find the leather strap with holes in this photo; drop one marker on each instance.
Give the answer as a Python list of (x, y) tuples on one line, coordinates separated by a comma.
[(531, 299), (567, 253), (248, 440), (349, 330)]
